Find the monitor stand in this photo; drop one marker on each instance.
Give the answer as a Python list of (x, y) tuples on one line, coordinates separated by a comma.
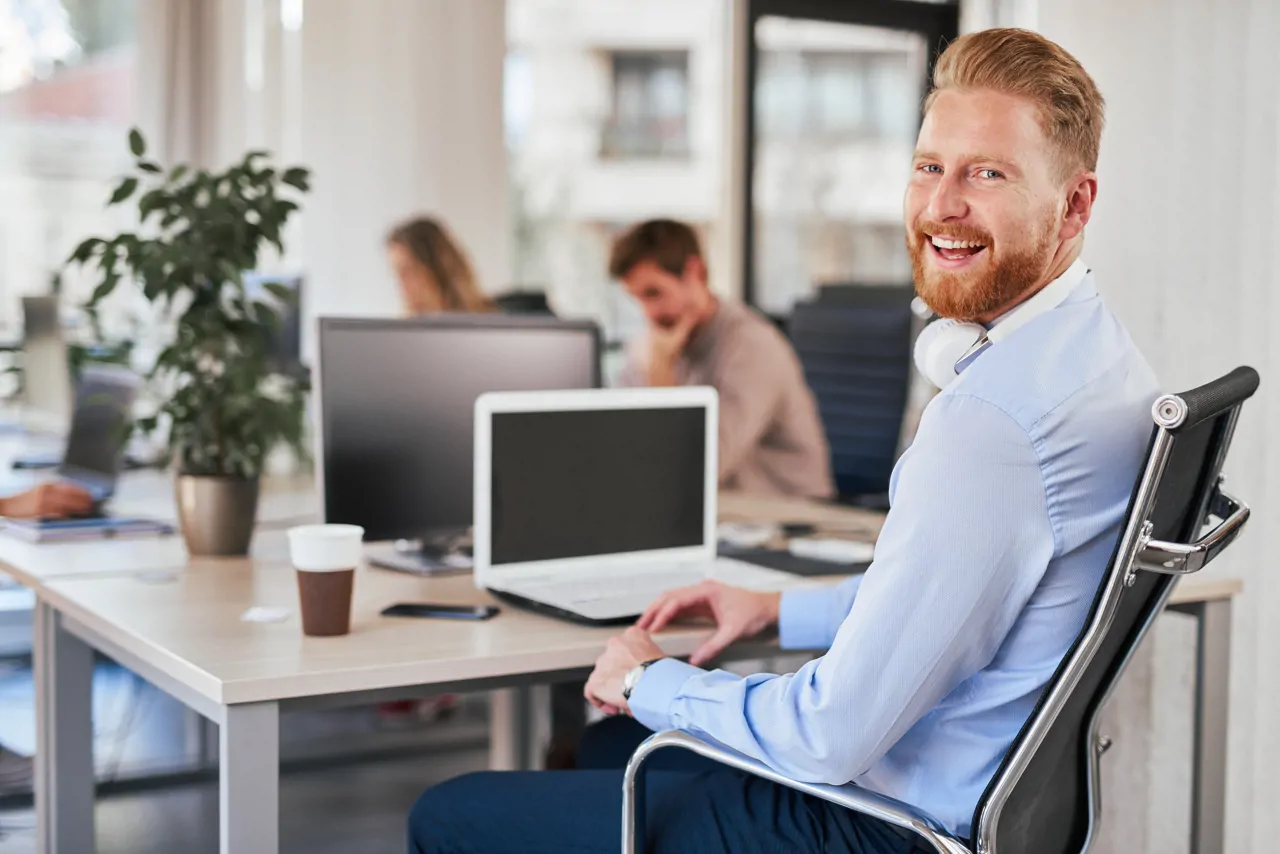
[(435, 553)]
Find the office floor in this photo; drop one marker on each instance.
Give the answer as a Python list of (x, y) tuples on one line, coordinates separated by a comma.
[(353, 806)]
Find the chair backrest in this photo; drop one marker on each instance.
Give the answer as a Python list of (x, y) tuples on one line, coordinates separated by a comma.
[(524, 302), (854, 344), (1044, 797)]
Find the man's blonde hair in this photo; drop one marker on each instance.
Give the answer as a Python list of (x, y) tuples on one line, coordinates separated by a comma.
[(1026, 64)]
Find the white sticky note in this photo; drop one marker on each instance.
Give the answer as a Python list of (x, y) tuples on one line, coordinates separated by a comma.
[(834, 551), (265, 614)]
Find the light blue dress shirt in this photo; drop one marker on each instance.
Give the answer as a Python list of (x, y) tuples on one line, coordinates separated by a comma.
[(1006, 509)]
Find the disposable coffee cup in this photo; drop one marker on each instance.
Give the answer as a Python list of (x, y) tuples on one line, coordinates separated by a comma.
[(326, 557)]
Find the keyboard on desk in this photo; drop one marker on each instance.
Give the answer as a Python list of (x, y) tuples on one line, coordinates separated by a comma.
[(614, 597)]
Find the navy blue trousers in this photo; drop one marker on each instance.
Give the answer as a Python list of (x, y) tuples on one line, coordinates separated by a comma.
[(692, 805)]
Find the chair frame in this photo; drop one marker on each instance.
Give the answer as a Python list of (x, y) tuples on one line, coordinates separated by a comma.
[(1137, 551)]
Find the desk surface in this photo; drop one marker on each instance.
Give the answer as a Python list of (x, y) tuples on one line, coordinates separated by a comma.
[(145, 493), (182, 615), (188, 624)]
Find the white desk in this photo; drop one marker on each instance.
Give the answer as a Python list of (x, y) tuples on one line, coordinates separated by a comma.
[(183, 633)]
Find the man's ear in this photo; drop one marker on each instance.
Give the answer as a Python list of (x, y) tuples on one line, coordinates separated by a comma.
[(1081, 194), (695, 270)]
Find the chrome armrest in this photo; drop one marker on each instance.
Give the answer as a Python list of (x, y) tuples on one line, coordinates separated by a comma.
[(851, 797), (1186, 558)]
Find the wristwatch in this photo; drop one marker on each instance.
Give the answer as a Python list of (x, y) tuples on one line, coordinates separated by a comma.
[(632, 679)]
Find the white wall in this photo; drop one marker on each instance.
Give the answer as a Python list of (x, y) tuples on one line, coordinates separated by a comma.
[(402, 114), (1183, 244)]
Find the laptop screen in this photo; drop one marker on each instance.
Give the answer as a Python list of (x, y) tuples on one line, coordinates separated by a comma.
[(596, 482), (96, 441)]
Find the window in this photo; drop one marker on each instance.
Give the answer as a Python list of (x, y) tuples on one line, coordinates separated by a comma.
[(66, 102), (837, 107), (597, 104), (650, 116)]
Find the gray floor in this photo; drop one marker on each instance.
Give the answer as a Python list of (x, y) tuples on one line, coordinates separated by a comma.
[(358, 807), (341, 811)]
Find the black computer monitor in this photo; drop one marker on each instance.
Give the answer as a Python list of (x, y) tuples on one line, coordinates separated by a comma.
[(284, 348), (397, 409)]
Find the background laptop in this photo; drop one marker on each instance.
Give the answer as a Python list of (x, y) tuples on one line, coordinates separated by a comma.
[(589, 504), (93, 453), (96, 441)]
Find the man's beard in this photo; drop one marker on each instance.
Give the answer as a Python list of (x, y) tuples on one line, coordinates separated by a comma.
[(974, 294)]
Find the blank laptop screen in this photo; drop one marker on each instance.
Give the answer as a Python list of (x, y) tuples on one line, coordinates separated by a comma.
[(596, 482)]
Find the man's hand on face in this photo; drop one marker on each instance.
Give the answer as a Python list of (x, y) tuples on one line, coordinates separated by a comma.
[(666, 343)]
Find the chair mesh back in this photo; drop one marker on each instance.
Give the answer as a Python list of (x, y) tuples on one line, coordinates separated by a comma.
[(523, 302), (1048, 811), (854, 344)]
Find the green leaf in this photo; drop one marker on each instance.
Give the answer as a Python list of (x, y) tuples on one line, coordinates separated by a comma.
[(103, 290), (85, 250), (152, 201), (137, 145), (148, 166), (176, 173), (284, 293), (298, 178), (124, 191)]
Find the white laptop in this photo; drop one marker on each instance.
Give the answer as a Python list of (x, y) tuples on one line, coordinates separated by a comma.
[(589, 504)]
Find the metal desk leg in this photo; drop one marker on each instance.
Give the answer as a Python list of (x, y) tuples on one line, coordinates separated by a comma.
[(249, 780), (64, 737), (1209, 763), (509, 729)]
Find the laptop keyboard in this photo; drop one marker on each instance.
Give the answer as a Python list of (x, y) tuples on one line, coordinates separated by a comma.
[(640, 580)]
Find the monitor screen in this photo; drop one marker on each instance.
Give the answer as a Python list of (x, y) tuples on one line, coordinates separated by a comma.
[(595, 482), (398, 408), (99, 423)]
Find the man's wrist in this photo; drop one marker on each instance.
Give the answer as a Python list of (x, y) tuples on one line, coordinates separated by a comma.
[(662, 373), (773, 610), (633, 676)]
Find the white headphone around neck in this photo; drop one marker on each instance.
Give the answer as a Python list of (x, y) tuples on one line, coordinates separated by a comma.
[(946, 347)]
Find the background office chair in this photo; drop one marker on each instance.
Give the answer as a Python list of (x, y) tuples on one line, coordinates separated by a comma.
[(854, 344), (1045, 796), (523, 302)]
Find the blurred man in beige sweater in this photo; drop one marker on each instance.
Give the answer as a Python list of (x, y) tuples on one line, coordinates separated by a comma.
[(771, 440)]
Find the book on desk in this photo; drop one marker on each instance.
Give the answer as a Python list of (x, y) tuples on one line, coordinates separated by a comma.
[(68, 530)]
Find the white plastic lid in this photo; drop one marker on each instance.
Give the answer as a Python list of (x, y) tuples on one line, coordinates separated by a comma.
[(326, 548)]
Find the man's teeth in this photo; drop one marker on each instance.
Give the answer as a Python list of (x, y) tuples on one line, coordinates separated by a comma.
[(944, 243)]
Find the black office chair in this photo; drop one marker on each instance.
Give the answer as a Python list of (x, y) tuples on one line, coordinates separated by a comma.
[(854, 344), (524, 302), (1045, 796)]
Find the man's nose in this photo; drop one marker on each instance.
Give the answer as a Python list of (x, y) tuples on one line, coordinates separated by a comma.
[(948, 200)]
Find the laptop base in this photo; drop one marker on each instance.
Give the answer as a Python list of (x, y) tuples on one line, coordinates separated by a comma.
[(560, 613)]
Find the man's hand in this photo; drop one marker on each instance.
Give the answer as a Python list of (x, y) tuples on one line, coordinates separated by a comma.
[(737, 614), (621, 654), (665, 346), (48, 500)]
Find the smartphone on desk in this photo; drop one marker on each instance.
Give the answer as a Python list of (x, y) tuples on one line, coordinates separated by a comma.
[(447, 612)]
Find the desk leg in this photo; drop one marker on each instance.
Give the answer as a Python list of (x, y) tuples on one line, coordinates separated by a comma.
[(249, 780), (63, 667), (1209, 762), (509, 729)]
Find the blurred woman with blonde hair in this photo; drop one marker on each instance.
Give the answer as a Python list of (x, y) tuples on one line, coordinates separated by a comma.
[(433, 270)]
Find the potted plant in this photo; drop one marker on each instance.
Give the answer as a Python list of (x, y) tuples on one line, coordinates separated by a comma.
[(216, 397)]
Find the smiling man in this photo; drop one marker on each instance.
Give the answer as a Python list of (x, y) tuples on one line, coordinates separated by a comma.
[(1006, 509)]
